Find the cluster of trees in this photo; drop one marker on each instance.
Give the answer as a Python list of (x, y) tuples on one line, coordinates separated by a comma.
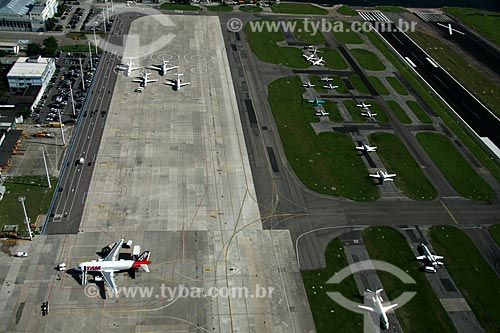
[(49, 48)]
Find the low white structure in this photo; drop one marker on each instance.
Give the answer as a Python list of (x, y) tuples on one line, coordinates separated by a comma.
[(10, 47), (36, 71)]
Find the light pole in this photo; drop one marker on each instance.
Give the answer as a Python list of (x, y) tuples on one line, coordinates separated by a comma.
[(90, 56), (95, 40), (61, 127), (72, 100), (46, 168), (26, 218)]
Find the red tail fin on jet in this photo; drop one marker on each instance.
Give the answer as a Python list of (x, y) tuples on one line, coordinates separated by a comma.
[(142, 261)]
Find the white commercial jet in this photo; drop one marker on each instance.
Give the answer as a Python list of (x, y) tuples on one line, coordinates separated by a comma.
[(366, 148), (383, 176), (379, 308), (321, 113), (330, 86), (177, 83), (163, 68), (430, 258), (144, 79), (368, 113), (128, 67), (363, 105), (109, 265)]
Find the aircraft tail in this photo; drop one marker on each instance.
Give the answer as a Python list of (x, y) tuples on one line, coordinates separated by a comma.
[(143, 261)]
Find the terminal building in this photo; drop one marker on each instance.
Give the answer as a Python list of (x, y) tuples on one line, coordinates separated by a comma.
[(33, 71), (26, 15)]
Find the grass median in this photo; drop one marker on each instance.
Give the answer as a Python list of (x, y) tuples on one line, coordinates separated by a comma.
[(399, 112), (347, 11), (368, 60), (358, 84), (396, 158), (396, 85), (484, 22), (347, 36), (326, 312), (177, 6), (37, 194), (419, 112), (477, 282), (306, 34), (387, 244), (264, 46), (250, 9), (333, 59), (495, 233), (298, 8), (325, 163), (455, 167), (379, 86)]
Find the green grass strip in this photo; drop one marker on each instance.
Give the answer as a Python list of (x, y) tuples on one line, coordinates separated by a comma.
[(333, 59), (484, 22), (220, 8), (391, 9), (379, 86), (396, 158), (347, 11), (396, 85), (419, 112), (399, 112), (495, 233), (298, 8), (325, 163), (347, 36), (332, 108), (358, 84), (250, 9), (476, 280), (326, 312), (455, 167), (175, 6), (387, 244), (368, 60), (306, 33)]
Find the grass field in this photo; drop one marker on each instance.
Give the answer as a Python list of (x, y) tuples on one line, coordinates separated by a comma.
[(399, 112), (484, 22), (306, 33), (76, 35), (387, 244), (358, 84), (38, 197), (220, 8), (481, 152), (495, 233), (419, 112), (263, 44), (78, 48), (298, 8), (482, 85), (326, 312), (381, 117), (250, 9), (391, 9), (346, 10), (175, 6), (347, 36), (368, 60), (333, 59), (396, 85), (332, 108), (325, 163), (479, 285), (337, 81), (379, 86), (397, 159), (455, 167)]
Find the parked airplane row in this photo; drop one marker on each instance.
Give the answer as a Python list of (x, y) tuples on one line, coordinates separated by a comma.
[(313, 58)]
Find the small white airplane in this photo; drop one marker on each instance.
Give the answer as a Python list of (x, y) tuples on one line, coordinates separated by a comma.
[(128, 67), (330, 86), (363, 105), (144, 79), (308, 85), (109, 265), (383, 176), (379, 308), (450, 29), (321, 113), (326, 78), (366, 148), (317, 62), (368, 113), (163, 68), (177, 83), (430, 258)]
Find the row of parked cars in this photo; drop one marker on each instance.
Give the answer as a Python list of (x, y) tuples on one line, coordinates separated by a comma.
[(75, 18)]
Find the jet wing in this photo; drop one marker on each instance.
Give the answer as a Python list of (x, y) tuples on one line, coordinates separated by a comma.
[(171, 68), (138, 80), (135, 68), (438, 257), (108, 277), (375, 175), (149, 81), (391, 175), (156, 68), (420, 257), (366, 308), (184, 84), (170, 83), (388, 308), (114, 251)]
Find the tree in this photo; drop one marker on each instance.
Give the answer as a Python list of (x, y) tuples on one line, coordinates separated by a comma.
[(34, 49), (50, 24), (50, 47)]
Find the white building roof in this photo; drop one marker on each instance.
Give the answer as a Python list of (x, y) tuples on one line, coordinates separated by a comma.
[(28, 69)]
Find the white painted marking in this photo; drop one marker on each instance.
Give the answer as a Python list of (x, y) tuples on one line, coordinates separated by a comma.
[(432, 62), (412, 64)]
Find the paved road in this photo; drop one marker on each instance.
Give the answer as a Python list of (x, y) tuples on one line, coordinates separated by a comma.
[(68, 203)]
